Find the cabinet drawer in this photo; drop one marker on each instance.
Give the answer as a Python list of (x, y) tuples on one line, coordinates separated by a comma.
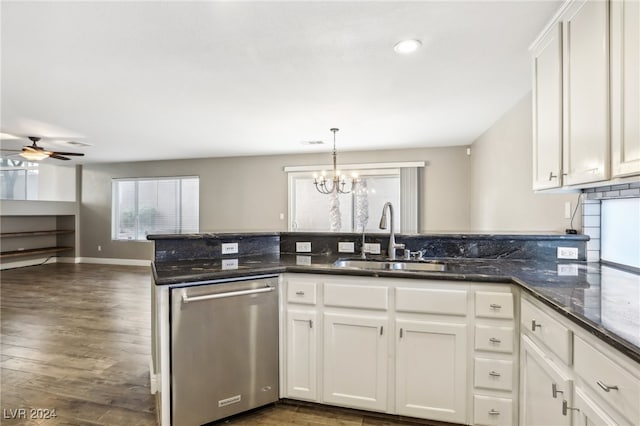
[(356, 296), (493, 374), (488, 410), (431, 301), (601, 373), (303, 292), (491, 304), (554, 335), (494, 339)]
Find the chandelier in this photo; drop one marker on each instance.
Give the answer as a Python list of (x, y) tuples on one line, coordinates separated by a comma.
[(338, 182)]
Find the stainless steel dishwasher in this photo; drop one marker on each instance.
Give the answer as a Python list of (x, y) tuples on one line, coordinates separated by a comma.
[(224, 349)]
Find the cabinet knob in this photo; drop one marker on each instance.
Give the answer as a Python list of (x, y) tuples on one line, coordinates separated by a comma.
[(605, 387), (493, 412), (566, 408), (534, 325)]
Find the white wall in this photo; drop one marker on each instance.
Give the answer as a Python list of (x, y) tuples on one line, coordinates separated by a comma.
[(250, 193), (501, 176)]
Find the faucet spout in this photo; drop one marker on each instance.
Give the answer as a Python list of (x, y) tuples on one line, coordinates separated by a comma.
[(391, 250)]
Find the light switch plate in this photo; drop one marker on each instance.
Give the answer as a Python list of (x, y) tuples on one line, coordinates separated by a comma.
[(346, 247), (303, 247), (229, 248), (568, 253), (372, 248)]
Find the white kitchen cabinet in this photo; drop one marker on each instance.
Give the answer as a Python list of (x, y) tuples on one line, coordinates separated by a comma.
[(431, 370), (547, 109), (586, 92), (625, 87), (539, 376), (355, 360), (589, 413), (301, 354)]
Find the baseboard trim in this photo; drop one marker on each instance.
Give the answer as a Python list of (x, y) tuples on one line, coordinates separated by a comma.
[(113, 261)]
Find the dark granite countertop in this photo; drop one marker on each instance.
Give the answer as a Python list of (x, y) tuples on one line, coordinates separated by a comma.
[(603, 300)]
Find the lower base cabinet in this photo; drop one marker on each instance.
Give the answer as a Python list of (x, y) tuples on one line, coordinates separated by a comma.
[(301, 354), (355, 361), (545, 387), (588, 413), (431, 370)]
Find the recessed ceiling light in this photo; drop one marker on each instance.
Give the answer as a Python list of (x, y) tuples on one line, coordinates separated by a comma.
[(407, 46)]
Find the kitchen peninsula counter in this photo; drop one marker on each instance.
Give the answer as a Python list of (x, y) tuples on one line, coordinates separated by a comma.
[(601, 299)]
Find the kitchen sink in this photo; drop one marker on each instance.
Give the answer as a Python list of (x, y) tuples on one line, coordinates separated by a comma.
[(392, 265)]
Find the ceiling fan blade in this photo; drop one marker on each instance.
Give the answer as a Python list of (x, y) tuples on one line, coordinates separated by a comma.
[(11, 150), (58, 157), (67, 153)]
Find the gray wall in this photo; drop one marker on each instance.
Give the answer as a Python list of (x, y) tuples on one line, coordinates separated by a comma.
[(501, 198), (249, 193)]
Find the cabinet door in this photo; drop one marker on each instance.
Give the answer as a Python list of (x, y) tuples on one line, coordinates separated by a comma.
[(586, 92), (547, 110), (431, 370), (588, 413), (355, 361), (625, 87), (538, 376), (301, 355)]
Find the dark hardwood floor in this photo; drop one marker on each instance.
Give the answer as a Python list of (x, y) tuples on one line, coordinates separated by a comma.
[(75, 338)]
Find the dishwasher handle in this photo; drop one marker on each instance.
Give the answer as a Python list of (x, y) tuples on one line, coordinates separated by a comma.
[(187, 299)]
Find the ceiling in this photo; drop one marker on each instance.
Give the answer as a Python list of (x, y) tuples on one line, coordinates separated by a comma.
[(165, 80)]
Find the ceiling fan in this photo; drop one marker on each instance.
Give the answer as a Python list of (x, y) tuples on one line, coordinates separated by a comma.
[(34, 152)]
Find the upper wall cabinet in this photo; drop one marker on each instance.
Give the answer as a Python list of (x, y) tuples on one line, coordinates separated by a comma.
[(625, 87), (547, 109), (586, 92), (586, 104)]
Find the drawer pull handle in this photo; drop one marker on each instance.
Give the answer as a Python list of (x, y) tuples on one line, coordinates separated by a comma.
[(495, 306), (310, 323), (605, 387), (493, 412), (566, 408), (381, 330), (552, 176), (534, 325), (401, 333), (555, 391), (494, 340), (494, 373), (300, 293)]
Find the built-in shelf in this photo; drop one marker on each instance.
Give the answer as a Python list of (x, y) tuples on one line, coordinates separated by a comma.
[(35, 233), (29, 239), (31, 252)]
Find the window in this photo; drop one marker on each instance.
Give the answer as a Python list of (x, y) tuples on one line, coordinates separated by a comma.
[(18, 180), (154, 206), (360, 209)]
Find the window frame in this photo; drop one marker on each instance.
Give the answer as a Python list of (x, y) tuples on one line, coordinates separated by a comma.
[(116, 208)]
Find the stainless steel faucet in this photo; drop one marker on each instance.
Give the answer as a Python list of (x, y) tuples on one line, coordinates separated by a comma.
[(391, 250)]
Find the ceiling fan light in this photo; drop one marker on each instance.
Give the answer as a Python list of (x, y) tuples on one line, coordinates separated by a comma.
[(34, 155)]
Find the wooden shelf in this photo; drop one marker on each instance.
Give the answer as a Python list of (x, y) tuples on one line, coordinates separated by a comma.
[(35, 233), (31, 252)]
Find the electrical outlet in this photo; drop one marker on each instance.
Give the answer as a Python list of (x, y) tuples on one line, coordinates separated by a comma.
[(346, 247), (99, 248), (568, 253), (229, 248), (229, 264), (303, 247), (372, 248), (303, 260)]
